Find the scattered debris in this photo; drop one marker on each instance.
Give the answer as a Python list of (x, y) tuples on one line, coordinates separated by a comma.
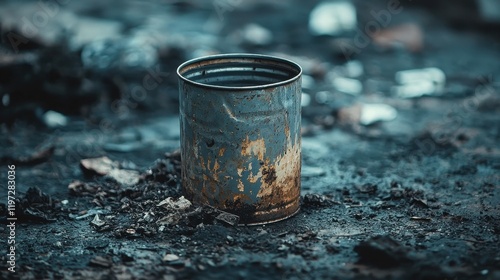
[(54, 119), (181, 204), (170, 258), (97, 221), (228, 218), (419, 82), (372, 113), (89, 213), (36, 206), (125, 177), (98, 166), (347, 85), (104, 166), (332, 18), (366, 114), (175, 210), (80, 188), (382, 251)]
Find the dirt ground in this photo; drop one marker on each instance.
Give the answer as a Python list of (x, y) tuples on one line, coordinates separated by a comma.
[(413, 197)]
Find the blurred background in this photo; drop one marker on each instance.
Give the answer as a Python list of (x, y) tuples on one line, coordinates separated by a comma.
[(400, 125), (119, 57)]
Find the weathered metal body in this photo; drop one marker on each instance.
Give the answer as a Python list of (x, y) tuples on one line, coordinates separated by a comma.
[(240, 135)]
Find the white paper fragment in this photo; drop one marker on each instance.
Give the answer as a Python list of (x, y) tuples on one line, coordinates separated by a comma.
[(419, 82), (347, 85), (371, 113)]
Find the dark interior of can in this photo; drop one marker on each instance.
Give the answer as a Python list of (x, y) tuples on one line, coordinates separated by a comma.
[(240, 71)]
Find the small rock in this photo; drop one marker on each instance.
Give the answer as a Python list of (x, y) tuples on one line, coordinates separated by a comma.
[(170, 258), (97, 221), (54, 119), (332, 18), (125, 177)]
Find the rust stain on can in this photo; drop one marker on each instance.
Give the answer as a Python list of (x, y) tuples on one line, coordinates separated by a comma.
[(240, 135)]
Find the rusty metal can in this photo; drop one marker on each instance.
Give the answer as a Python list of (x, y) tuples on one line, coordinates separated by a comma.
[(240, 118)]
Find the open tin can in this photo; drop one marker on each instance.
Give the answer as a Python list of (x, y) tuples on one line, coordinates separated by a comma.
[(240, 118)]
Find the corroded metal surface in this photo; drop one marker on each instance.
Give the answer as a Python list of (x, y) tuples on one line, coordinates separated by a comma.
[(240, 135)]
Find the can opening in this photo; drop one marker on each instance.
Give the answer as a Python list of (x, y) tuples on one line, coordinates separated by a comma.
[(239, 71)]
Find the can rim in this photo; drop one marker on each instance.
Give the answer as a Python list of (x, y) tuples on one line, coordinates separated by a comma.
[(240, 55)]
